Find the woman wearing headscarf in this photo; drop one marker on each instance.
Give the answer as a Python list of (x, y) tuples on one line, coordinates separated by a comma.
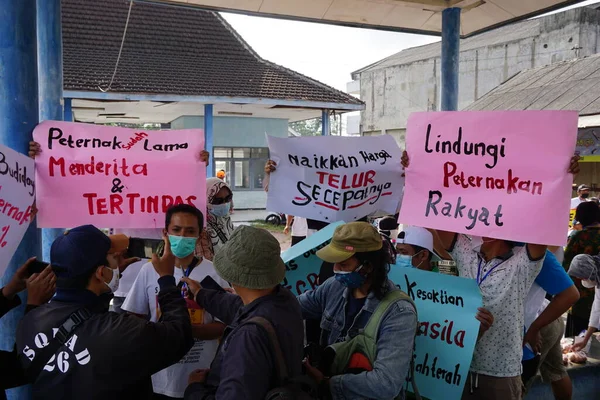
[(219, 201), (585, 241), (586, 269)]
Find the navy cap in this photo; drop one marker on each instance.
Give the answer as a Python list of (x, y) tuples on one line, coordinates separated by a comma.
[(78, 251)]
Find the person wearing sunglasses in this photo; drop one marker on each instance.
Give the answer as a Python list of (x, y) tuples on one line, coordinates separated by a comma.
[(219, 203)]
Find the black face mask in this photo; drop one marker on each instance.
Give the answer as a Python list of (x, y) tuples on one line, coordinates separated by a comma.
[(585, 195)]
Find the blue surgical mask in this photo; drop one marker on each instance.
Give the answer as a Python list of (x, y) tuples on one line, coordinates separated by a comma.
[(351, 280), (403, 260), (219, 210), (181, 246)]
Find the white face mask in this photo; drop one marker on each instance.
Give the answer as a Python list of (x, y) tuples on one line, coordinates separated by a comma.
[(113, 285), (586, 283), (476, 242)]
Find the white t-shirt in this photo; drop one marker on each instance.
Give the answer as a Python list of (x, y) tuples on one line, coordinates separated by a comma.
[(134, 269), (504, 287), (299, 227), (128, 278), (595, 314), (143, 299), (575, 201)]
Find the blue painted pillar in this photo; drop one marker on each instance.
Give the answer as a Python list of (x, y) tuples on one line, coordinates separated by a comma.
[(68, 113), (326, 124), (208, 137), (50, 80), (18, 117), (450, 58)]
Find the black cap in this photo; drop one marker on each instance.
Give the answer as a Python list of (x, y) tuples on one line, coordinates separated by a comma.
[(583, 187), (78, 251)]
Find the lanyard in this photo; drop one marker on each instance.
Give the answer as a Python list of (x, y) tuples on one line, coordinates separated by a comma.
[(480, 281), (187, 273)]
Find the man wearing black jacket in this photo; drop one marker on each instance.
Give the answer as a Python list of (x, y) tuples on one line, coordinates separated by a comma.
[(40, 288), (106, 355), (245, 365)]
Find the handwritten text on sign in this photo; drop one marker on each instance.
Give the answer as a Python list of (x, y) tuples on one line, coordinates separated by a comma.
[(446, 306), (115, 177), (482, 173), (301, 263), (17, 193), (330, 178)]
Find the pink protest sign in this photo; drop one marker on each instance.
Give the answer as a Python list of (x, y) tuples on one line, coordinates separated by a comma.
[(115, 177), (494, 174)]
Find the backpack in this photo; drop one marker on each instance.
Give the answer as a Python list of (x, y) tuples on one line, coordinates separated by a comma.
[(294, 388), (359, 353)]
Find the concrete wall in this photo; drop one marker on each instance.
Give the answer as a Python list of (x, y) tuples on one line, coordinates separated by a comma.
[(239, 132), (392, 93)]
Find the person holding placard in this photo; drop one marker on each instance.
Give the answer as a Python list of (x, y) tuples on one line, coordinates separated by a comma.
[(298, 227), (132, 271), (345, 305), (505, 274)]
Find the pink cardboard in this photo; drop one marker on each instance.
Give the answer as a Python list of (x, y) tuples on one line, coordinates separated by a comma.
[(115, 177), (513, 185)]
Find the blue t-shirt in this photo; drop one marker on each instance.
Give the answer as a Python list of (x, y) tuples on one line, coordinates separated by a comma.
[(553, 279)]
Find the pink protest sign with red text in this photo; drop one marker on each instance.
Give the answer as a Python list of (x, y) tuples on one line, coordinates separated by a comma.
[(115, 177), (500, 174)]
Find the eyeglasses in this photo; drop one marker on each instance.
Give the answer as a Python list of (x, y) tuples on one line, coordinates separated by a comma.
[(221, 200)]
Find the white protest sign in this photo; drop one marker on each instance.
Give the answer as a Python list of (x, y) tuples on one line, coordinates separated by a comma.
[(332, 178), (17, 193)]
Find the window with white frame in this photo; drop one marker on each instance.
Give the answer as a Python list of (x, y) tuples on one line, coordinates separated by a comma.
[(243, 167)]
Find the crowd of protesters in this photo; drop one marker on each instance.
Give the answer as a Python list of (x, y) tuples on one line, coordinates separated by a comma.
[(208, 318)]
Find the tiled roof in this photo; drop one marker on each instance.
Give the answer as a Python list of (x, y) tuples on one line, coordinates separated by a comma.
[(173, 51), (569, 85)]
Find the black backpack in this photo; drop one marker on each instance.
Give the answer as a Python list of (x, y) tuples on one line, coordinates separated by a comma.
[(294, 388)]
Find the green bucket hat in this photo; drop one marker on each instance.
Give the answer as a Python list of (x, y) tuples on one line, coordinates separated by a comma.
[(250, 259)]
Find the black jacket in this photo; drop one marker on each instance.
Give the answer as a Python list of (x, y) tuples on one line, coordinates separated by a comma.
[(109, 356), (11, 374), (244, 367)]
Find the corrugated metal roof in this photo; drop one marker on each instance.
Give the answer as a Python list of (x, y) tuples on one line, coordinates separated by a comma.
[(569, 85)]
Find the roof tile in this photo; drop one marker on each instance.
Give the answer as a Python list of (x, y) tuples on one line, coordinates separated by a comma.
[(175, 51)]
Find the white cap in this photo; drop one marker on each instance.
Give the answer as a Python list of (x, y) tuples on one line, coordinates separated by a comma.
[(416, 236)]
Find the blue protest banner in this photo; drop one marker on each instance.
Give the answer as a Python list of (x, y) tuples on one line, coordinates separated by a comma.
[(301, 263), (447, 332)]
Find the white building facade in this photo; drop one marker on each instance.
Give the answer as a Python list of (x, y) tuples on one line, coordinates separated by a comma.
[(409, 81)]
